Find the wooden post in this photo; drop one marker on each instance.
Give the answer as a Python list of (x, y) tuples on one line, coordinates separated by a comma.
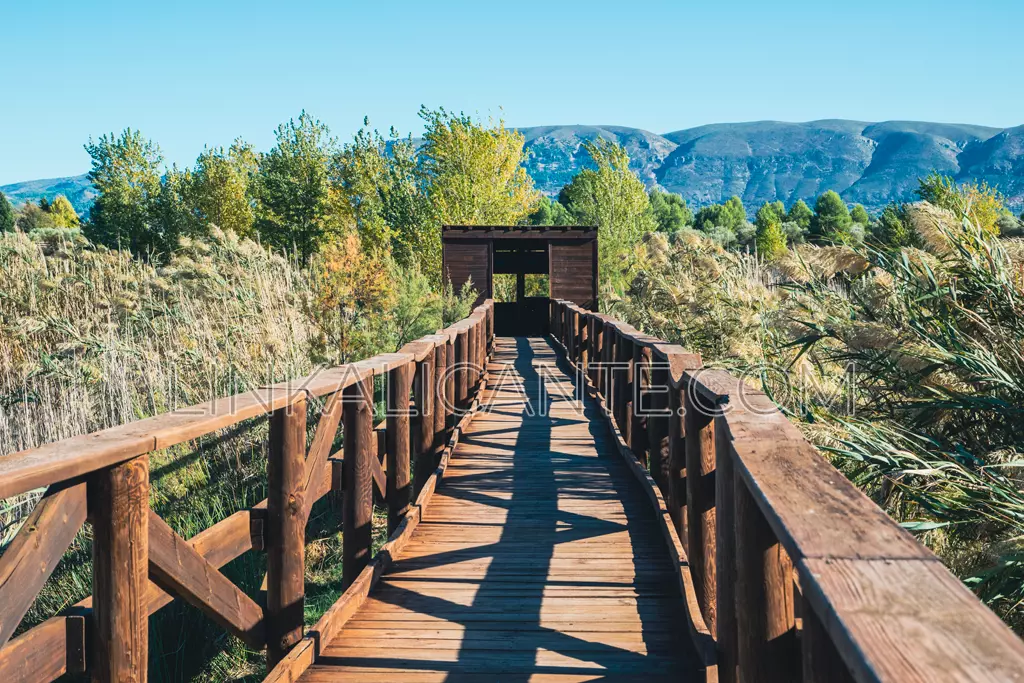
[(594, 349), (461, 379), (357, 480), (725, 554), (440, 364), (638, 418), (449, 390), (584, 346), (623, 381), (765, 626), (700, 498), (606, 358), (286, 529), (822, 662), (470, 361), (423, 421), (118, 500), (677, 467), (399, 491), (657, 426)]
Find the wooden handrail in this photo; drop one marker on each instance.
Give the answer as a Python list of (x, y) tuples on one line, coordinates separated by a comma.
[(141, 565), (796, 572)]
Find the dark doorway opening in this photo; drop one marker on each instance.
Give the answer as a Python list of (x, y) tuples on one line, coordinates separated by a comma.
[(523, 312)]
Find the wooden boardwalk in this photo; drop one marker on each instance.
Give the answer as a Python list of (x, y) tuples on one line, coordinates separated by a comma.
[(539, 557)]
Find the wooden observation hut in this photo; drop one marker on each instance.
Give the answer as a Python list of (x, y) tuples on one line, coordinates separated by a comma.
[(566, 254)]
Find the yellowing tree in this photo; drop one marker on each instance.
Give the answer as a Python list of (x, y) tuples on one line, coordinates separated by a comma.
[(979, 203), (474, 172), (220, 187), (62, 213)]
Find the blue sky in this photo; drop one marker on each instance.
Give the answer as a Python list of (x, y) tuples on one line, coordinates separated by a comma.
[(193, 73)]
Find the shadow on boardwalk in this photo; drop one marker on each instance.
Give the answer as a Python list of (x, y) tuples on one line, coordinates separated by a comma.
[(539, 557)]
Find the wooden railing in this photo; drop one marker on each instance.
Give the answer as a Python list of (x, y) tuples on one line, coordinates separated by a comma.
[(140, 564), (796, 575)]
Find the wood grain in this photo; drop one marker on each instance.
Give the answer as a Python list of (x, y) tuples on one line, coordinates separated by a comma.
[(119, 512), (286, 530)]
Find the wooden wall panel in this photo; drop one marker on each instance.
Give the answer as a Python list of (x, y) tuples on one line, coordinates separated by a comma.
[(573, 273), (463, 260)]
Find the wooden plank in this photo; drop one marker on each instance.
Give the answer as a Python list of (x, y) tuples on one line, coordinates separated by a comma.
[(39, 654), (699, 436), (178, 568), (118, 509), (765, 620), (909, 621), (399, 482), (32, 556), (317, 467), (357, 500), (286, 530)]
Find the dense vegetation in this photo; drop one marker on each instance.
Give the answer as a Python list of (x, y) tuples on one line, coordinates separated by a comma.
[(184, 284)]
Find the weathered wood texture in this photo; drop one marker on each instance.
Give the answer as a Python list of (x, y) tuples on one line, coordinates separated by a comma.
[(758, 505), (357, 479), (286, 529), (119, 512), (538, 559)]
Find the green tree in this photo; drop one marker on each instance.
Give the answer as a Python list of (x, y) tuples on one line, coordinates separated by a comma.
[(977, 202), (770, 212), (6, 214), (770, 238), (730, 215), (892, 228), (613, 198), (832, 220), (220, 188), (381, 181), (474, 173), (299, 206), (34, 217), (175, 210), (549, 212), (670, 211), (858, 214), (126, 173), (800, 214), (63, 214)]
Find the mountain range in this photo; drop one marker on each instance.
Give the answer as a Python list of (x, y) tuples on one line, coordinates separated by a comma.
[(867, 163)]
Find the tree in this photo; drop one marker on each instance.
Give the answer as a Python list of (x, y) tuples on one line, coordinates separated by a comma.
[(977, 202), (670, 211), (800, 214), (549, 212), (62, 213), (34, 217), (474, 173), (126, 174), (299, 206), (381, 181), (220, 188), (770, 239), (729, 215), (614, 199), (770, 212), (174, 210), (6, 214), (892, 228), (831, 221), (858, 214)]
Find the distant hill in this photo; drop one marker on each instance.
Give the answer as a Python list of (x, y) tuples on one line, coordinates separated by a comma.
[(867, 163), (77, 189)]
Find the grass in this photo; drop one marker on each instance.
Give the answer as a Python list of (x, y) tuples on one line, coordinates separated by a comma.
[(933, 339), (93, 338)]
